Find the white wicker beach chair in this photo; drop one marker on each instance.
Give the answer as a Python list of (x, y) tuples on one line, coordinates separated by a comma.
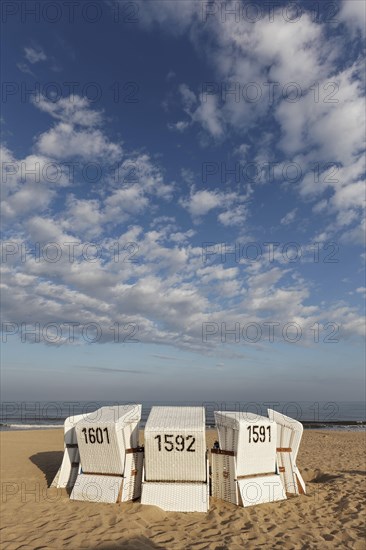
[(176, 467), (111, 458), (289, 434), (244, 466), (69, 469)]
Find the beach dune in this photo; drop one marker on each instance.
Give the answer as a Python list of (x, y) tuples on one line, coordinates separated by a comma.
[(331, 515)]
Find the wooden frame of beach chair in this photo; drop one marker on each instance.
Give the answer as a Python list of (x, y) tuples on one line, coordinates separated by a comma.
[(289, 434), (244, 467), (69, 469), (176, 474), (111, 459)]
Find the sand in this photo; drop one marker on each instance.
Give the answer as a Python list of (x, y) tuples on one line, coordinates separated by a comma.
[(331, 515)]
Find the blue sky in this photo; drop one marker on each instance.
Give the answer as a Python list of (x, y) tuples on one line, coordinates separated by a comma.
[(162, 135)]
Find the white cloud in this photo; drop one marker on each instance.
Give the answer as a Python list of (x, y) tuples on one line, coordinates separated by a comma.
[(208, 114), (76, 134), (333, 126), (34, 55), (350, 196), (242, 150), (233, 206), (24, 179), (299, 53), (355, 235), (72, 109), (168, 292), (246, 56), (353, 13), (188, 97), (361, 290), (23, 67), (189, 293), (149, 176), (174, 17), (235, 215), (180, 126), (64, 141), (327, 140), (187, 175), (124, 202), (217, 273), (44, 229), (170, 76), (132, 187), (23, 202), (142, 181), (201, 202), (289, 217), (202, 110), (83, 217)]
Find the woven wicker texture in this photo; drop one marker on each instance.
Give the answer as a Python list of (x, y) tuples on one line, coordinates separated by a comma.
[(224, 485), (261, 489), (104, 436), (251, 437), (176, 497), (175, 444), (94, 488), (69, 429), (66, 476), (133, 476), (289, 434)]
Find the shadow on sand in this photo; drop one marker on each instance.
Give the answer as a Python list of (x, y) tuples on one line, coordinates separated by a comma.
[(49, 462), (355, 472), (326, 478)]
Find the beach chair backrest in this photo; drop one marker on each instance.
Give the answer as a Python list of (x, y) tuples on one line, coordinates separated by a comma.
[(175, 444), (66, 474), (104, 437), (289, 432), (69, 429), (251, 437)]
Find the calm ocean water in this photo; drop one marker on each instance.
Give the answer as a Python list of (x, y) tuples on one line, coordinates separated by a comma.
[(344, 415)]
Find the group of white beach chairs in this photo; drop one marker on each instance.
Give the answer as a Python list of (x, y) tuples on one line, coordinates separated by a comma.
[(253, 462)]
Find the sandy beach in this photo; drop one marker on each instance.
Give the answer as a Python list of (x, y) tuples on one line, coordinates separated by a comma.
[(331, 515)]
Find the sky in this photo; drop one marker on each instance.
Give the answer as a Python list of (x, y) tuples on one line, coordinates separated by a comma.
[(183, 200)]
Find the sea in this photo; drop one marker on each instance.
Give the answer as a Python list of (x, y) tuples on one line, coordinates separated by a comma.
[(30, 415)]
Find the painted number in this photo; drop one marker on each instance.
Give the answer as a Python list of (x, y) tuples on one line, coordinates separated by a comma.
[(179, 443), (95, 435), (259, 433)]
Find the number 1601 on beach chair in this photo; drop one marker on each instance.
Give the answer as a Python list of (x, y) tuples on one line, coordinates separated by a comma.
[(111, 459)]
